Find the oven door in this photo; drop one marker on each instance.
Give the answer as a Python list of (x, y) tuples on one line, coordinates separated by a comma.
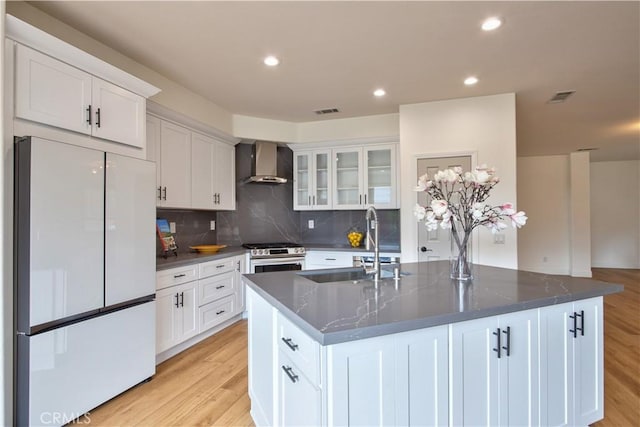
[(276, 264)]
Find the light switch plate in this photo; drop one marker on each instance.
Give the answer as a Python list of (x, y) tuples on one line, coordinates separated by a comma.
[(311, 223), (212, 225), (172, 227), (499, 238)]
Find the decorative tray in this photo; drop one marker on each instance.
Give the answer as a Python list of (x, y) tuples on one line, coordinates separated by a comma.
[(207, 248)]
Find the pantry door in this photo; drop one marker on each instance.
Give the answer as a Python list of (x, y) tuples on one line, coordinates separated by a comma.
[(435, 245)]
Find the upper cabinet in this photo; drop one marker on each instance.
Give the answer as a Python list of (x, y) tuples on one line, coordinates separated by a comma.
[(352, 178), (51, 92), (312, 180), (194, 171)]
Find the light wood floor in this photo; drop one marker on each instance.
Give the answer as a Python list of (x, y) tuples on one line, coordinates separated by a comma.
[(207, 384)]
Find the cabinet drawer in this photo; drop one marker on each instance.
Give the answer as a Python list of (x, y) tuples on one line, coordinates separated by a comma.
[(216, 287), (324, 259), (176, 276), (300, 348), (211, 268), (216, 312)]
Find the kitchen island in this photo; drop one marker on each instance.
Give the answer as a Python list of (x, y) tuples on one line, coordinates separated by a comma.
[(511, 348)]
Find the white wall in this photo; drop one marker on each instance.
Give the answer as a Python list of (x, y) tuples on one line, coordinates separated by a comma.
[(615, 214), (544, 244), (580, 214), (484, 125)]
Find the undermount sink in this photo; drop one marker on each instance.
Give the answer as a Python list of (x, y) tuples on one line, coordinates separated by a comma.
[(343, 275)]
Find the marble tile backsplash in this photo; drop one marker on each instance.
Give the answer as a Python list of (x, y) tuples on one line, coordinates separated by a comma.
[(192, 228)]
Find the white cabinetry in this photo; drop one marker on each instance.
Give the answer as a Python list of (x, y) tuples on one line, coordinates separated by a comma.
[(495, 370), (51, 92), (193, 170), (572, 363), (212, 174), (345, 178), (365, 176), (312, 180), (316, 260), (194, 299)]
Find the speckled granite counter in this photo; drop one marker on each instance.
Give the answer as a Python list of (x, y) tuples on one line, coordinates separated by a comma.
[(344, 311), (188, 258)]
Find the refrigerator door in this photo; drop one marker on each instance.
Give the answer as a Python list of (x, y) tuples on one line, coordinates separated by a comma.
[(60, 231), (68, 371), (130, 261)]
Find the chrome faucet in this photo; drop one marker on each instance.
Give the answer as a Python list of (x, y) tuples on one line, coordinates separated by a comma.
[(372, 222)]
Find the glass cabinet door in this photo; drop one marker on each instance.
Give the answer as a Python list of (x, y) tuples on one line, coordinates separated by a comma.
[(348, 188), (302, 181), (322, 182), (380, 176)]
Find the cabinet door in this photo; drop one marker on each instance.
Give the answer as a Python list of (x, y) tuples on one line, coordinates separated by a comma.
[(321, 196), (422, 378), (347, 183), (362, 383), (380, 177), (519, 369), (202, 172), (474, 365), (153, 151), (225, 176), (588, 359), (188, 326), (167, 306), (175, 166), (51, 92), (119, 115), (299, 399), (302, 181), (556, 365)]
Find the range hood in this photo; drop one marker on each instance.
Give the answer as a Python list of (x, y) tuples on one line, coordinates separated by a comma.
[(265, 164)]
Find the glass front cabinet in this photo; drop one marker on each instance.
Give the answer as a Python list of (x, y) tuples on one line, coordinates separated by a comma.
[(346, 178), (312, 180)]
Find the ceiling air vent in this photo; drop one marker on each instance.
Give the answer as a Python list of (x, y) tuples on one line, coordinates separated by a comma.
[(561, 96), (327, 111)]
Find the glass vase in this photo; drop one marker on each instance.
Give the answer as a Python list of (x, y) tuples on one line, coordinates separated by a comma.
[(461, 266)]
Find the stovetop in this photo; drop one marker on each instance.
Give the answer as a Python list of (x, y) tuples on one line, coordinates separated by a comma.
[(274, 250)]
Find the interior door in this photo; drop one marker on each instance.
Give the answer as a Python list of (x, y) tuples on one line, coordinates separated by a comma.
[(435, 245)]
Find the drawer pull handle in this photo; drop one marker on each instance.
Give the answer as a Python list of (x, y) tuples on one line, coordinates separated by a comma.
[(220, 266), (177, 276), (220, 287), (288, 341), (329, 259), (218, 313), (289, 371)]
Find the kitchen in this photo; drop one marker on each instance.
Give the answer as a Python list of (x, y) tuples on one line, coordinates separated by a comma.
[(231, 226)]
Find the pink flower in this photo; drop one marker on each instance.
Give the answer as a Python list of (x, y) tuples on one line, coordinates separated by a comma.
[(518, 219), (507, 209), (439, 207)]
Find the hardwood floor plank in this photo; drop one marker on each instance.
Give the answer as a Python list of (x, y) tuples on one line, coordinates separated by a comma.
[(206, 385)]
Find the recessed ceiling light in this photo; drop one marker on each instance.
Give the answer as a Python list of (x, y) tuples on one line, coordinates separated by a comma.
[(379, 92), (271, 61), (491, 24), (470, 81)]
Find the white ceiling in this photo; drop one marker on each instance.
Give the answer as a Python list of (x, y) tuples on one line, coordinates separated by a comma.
[(334, 54)]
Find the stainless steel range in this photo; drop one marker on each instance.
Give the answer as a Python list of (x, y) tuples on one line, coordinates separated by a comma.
[(265, 257)]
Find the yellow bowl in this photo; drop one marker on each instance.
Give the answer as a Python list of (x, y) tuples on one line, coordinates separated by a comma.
[(207, 248)]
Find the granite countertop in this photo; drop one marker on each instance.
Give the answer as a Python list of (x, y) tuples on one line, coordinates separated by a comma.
[(338, 312), (188, 258)]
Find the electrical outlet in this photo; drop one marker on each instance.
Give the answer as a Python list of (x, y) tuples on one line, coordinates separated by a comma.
[(212, 225), (499, 238), (312, 224), (172, 227)]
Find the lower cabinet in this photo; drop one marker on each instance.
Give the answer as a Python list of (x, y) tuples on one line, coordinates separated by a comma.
[(494, 365), (532, 367), (572, 374), (193, 299), (176, 315)]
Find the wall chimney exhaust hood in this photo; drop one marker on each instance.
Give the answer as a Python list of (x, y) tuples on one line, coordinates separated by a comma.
[(265, 164)]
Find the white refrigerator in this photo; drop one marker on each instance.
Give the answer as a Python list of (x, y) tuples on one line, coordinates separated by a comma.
[(84, 273)]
